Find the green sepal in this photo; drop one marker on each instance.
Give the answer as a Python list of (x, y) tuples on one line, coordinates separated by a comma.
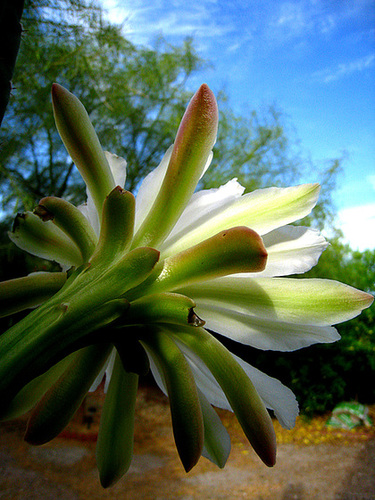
[(163, 308), (48, 334), (237, 250), (69, 320), (114, 448), (70, 220), (44, 239), (194, 141), (59, 404), (238, 388), (82, 144), (101, 281), (27, 397), (187, 419), (216, 438), (116, 231), (29, 291), (128, 272)]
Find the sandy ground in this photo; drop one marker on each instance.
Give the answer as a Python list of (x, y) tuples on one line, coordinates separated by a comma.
[(313, 463)]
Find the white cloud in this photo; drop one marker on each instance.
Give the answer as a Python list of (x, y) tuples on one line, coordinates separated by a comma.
[(358, 226), (292, 17), (344, 69), (178, 18)]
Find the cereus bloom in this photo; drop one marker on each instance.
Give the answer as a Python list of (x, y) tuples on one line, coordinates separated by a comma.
[(144, 283)]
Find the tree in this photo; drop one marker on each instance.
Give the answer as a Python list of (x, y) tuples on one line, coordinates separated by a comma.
[(135, 98), (255, 149), (10, 36)]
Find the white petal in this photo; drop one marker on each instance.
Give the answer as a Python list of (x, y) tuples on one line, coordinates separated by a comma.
[(262, 332), (203, 377), (92, 213), (89, 211), (84, 210), (276, 313), (154, 370), (208, 163), (202, 206), (263, 211), (275, 395), (106, 370), (292, 250), (118, 168), (109, 368), (149, 189), (317, 302)]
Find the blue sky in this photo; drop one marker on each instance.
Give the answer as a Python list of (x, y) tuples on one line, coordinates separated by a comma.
[(314, 59)]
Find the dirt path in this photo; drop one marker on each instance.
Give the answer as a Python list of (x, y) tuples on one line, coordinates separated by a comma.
[(312, 464)]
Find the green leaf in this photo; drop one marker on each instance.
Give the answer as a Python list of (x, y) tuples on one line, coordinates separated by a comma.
[(127, 273), (88, 301), (216, 438), (46, 335), (116, 231), (27, 397)]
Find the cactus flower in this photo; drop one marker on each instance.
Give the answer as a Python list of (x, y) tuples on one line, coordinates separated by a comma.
[(145, 282)]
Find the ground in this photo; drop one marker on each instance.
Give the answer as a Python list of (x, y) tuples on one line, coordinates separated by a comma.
[(313, 462)]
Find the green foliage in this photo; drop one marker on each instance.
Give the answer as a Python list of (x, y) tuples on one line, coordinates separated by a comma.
[(255, 149), (135, 98), (324, 213)]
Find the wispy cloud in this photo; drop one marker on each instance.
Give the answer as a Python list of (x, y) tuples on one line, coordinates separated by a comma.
[(342, 70), (174, 19), (216, 24), (291, 20)]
